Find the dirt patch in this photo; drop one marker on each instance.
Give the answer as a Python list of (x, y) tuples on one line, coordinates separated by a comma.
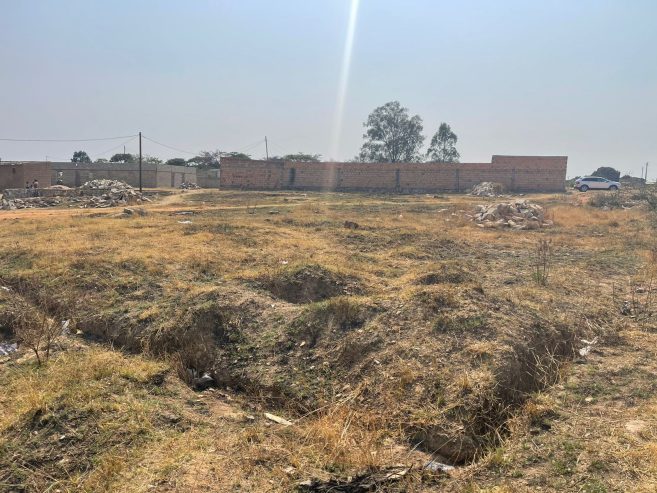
[(447, 273), (310, 283)]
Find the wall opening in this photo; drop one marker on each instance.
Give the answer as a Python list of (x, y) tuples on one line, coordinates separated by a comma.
[(292, 176)]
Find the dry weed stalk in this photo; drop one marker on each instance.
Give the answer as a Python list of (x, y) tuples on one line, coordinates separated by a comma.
[(37, 331), (543, 261)]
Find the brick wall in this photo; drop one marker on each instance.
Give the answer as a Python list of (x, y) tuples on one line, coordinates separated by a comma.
[(14, 175), (152, 176), (516, 173)]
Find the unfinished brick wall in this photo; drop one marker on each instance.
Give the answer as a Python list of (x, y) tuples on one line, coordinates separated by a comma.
[(516, 173), (14, 175)]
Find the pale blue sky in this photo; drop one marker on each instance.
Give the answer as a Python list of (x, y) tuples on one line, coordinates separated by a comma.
[(576, 78)]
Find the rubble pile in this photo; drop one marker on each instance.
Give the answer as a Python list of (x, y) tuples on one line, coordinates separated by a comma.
[(517, 215), (487, 189), (117, 193), (189, 186), (30, 203), (93, 194)]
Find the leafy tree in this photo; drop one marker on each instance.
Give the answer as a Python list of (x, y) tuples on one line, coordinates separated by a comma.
[(150, 160), (302, 157), (607, 172), (443, 146), (80, 157), (122, 158), (176, 161), (101, 160), (236, 155), (205, 159), (392, 136)]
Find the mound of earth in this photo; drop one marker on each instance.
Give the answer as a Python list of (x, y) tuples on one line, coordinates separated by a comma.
[(310, 283)]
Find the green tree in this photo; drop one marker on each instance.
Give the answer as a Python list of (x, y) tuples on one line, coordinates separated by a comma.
[(150, 160), (205, 159), (443, 146), (176, 161), (236, 155), (122, 158), (303, 157), (392, 136), (101, 160), (80, 157), (607, 172)]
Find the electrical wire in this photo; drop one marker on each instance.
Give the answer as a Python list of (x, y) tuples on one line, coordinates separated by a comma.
[(115, 147), (168, 146), (67, 140)]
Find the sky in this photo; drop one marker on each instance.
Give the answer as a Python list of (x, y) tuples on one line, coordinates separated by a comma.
[(575, 78)]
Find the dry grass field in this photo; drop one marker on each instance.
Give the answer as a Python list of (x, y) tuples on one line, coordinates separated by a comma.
[(415, 336)]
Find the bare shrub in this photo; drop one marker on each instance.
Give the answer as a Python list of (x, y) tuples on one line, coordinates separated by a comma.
[(542, 261), (36, 330)]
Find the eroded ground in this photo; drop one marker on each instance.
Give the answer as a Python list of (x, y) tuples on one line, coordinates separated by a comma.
[(414, 336)]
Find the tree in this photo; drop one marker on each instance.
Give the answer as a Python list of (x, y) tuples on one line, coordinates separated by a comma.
[(303, 157), (607, 172), (101, 160), (392, 136), (236, 155), (80, 157), (443, 146), (205, 159), (176, 161), (122, 158), (150, 160)]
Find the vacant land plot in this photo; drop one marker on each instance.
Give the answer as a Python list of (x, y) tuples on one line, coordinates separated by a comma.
[(399, 338)]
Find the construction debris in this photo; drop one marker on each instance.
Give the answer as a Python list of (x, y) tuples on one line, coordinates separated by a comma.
[(277, 419), (93, 194), (516, 215), (487, 189), (189, 186)]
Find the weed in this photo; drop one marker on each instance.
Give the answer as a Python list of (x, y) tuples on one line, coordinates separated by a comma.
[(542, 261)]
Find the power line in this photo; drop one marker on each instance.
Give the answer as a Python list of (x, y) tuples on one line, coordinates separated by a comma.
[(115, 147), (67, 140), (168, 146)]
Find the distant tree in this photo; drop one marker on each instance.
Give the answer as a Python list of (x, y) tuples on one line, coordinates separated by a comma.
[(101, 160), (122, 158), (150, 160), (236, 155), (205, 159), (303, 157), (80, 157), (392, 136), (176, 161), (443, 146), (607, 172)]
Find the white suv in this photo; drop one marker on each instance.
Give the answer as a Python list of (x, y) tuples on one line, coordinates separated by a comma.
[(595, 183)]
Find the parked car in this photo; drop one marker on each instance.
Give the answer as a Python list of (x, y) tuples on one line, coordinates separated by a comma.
[(595, 183)]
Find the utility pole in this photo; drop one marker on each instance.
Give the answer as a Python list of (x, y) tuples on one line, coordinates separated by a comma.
[(139, 162), (646, 177), (266, 148)]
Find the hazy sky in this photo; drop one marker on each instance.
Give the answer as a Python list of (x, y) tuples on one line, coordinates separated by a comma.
[(576, 78)]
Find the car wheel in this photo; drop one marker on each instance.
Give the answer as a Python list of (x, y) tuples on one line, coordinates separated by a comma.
[(583, 188), (613, 188)]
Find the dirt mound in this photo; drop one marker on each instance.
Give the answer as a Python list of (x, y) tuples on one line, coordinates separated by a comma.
[(310, 283), (447, 273), (487, 189)]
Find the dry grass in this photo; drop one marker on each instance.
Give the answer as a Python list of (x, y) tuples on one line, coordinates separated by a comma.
[(438, 325)]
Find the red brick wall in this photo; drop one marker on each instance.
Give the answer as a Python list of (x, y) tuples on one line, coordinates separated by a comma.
[(516, 173)]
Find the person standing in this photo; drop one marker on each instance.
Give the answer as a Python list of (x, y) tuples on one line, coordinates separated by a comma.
[(35, 187)]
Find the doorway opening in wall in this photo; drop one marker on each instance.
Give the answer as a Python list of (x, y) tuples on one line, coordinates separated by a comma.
[(293, 176)]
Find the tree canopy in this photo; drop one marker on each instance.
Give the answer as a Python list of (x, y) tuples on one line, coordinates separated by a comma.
[(443, 146), (236, 155), (392, 136), (122, 158), (205, 159), (303, 157), (176, 161), (607, 172), (80, 157)]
